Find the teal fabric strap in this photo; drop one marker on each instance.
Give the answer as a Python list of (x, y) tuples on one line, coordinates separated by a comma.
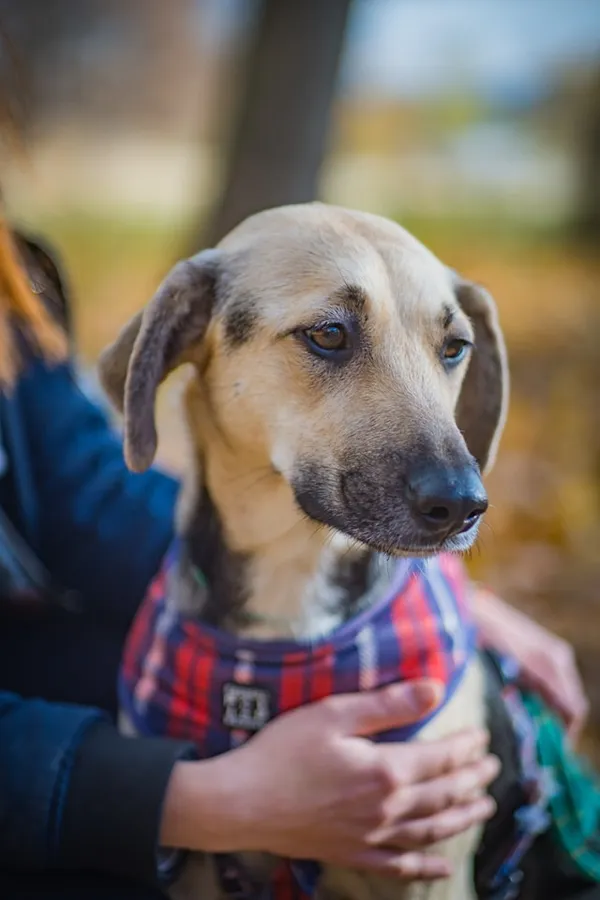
[(575, 804)]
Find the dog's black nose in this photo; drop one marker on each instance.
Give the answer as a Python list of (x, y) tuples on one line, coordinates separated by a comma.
[(447, 501)]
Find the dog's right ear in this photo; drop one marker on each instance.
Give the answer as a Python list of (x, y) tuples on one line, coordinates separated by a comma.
[(154, 343), (482, 405)]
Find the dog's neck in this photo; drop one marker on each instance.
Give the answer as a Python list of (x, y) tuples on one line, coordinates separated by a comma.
[(253, 564)]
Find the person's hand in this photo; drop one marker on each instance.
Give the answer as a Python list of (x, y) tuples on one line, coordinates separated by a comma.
[(312, 786), (547, 662)]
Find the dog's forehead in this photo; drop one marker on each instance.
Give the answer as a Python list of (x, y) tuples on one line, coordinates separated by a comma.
[(289, 261)]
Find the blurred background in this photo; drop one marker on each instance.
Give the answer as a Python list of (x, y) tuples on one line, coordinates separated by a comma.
[(147, 129)]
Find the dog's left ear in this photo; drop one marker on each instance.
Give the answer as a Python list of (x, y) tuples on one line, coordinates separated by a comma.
[(153, 344), (483, 401)]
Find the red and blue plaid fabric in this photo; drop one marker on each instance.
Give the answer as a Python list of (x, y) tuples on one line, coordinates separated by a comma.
[(184, 679)]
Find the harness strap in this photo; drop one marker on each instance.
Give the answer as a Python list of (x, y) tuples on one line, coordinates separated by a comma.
[(532, 817)]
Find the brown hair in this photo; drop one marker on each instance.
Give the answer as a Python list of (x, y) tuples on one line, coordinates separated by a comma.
[(20, 308)]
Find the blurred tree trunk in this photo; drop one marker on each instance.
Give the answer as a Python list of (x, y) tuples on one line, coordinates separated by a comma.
[(587, 213), (282, 124), (587, 231)]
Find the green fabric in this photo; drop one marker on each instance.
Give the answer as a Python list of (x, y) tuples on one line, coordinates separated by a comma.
[(575, 805)]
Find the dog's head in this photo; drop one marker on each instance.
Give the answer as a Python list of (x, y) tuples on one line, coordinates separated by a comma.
[(333, 348)]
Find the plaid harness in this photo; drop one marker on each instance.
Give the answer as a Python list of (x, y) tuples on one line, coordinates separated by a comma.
[(184, 679)]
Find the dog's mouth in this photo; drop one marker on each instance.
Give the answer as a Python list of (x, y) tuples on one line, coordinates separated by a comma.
[(457, 543), (392, 535), (460, 543)]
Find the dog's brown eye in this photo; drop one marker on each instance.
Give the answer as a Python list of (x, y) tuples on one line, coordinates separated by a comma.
[(329, 338), (455, 350)]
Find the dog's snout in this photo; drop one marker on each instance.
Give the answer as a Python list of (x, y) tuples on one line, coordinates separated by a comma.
[(446, 501)]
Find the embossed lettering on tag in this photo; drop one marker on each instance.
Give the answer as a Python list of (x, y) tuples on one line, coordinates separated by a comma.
[(245, 707)]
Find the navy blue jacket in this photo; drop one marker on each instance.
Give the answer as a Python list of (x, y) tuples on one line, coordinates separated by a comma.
[(74, 794)]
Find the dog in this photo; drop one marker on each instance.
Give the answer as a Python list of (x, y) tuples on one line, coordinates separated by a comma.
[(346, 390)]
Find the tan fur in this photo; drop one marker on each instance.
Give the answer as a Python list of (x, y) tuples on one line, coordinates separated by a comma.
[(289, 552), (255, 409)]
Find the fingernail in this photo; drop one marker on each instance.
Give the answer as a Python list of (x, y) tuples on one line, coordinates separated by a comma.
[(488, 807), (444, 869), (483, 809), (425, 695), (494, 765), (478, 742)]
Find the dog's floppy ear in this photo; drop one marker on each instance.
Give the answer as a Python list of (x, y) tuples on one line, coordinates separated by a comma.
[(154, 343), (482, 405)]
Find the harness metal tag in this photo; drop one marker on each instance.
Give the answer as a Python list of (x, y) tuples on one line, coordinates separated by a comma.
[(245, 707)]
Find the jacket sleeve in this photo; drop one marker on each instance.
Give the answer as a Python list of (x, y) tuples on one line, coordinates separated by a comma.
[(74, 794), (101, 530)]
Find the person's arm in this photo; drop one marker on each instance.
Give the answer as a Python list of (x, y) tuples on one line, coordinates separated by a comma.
[(313, 785), (547, 661), (75, 794), (101, 529)]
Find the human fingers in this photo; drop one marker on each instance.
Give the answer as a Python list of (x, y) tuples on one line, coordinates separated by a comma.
[(394, 706), (409, 866), (418, 834), (414, 763), (430, 797), (556, 678)]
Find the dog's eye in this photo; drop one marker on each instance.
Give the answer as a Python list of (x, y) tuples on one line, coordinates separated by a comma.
[(329, 339), (455, 350)]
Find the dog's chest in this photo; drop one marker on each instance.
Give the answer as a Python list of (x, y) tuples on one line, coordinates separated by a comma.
[(201, 878), (183, 678)]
